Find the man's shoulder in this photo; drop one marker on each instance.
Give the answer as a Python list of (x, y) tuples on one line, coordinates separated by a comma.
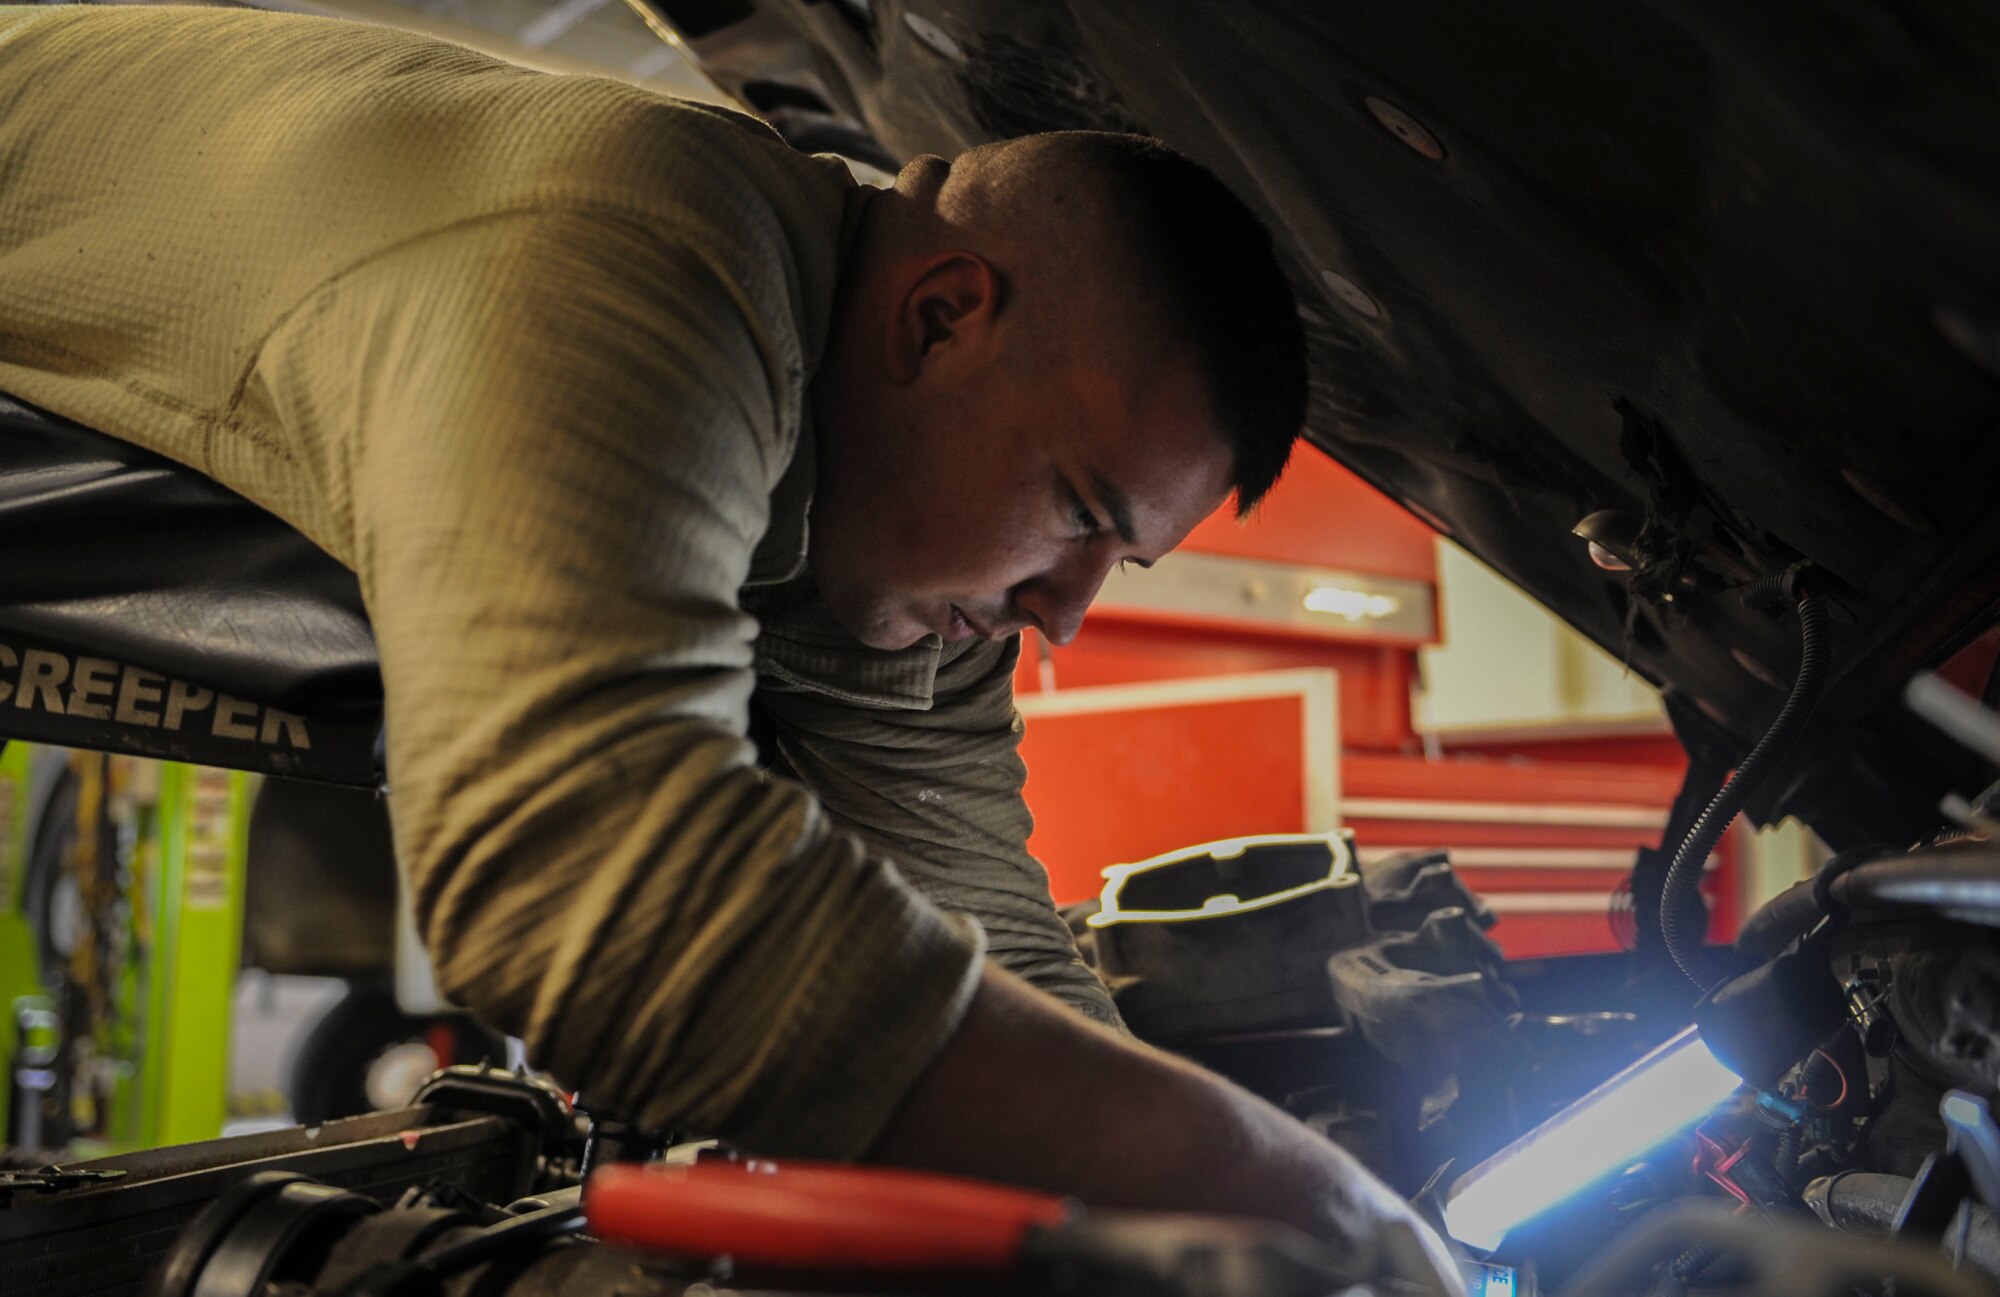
[(409, 118)]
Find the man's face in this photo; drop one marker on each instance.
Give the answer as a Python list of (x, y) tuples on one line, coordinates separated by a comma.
[(996, 501)]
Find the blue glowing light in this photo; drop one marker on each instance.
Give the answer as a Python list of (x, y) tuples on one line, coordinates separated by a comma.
[(1663, 1092)]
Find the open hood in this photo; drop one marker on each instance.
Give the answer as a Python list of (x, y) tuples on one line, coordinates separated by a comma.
[(1728, 274)]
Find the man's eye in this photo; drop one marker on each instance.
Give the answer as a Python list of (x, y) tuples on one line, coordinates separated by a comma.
[(1086, 521)]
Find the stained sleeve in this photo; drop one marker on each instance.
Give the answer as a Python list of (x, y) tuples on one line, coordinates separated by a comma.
[(939, 792), (552, 439)]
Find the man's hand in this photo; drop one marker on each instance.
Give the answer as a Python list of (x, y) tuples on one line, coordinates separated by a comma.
[(1030, 1093)]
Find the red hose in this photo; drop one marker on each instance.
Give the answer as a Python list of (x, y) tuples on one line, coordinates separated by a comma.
[(818, 1217)]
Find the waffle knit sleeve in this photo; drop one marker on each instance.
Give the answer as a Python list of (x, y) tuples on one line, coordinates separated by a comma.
[(939, 790), (557, 436)]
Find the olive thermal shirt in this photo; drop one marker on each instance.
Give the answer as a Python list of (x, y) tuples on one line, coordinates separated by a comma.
[(530, 354)]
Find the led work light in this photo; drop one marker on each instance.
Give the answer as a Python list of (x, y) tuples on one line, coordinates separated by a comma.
[(1663, 1092)]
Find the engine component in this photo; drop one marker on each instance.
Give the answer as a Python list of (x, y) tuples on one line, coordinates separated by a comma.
[(1351, 999), (102, 1236), (1943, 1188), (1868, 1203), (1784, 1259), (1430, 1001), (797, 1227), (1231, 936), (424, 1270), (278, 1230), (529, 1102), (241, 1241), (1396, 952), (1944, 996), (1865, 1006), (50, 1179), (1763, 1022), (1975, 1142), (1959, 882), (1408, 888)]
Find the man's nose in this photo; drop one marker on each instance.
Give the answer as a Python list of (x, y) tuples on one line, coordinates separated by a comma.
[(1057, 601)]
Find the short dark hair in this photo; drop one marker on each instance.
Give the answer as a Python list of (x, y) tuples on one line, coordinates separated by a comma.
[(1219, 274)]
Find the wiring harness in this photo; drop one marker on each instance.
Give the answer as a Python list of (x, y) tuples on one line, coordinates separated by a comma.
[(1683, 919)]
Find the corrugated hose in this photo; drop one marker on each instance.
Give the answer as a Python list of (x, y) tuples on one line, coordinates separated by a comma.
[(1683, 919)]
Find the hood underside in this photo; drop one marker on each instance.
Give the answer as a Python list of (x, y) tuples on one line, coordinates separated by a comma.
[(1728, 273)]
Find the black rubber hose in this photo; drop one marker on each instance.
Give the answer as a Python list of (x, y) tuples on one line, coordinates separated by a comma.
[(1778, 922), (1685, 1271), (1785, 1161), (1820, 1075), (425, 1275), (1683, 919), (1958, 883), (1867, 1203), (531, 1229)]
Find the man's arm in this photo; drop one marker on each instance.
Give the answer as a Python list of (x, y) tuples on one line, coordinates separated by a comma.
[(553, 436), (939, 792), (1063, 1106)]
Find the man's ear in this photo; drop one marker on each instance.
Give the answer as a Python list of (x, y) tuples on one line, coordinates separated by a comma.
[(949, 304)]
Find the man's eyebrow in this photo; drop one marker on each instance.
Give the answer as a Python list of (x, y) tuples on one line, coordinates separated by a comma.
[(1116, 505)]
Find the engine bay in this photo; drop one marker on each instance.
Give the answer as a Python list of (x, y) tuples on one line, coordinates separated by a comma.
[(1560, 1117)]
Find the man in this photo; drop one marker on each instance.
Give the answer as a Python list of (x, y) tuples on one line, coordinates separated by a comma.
[(621, 410)]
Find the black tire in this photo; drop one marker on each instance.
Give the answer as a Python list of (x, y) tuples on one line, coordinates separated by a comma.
[(330, 1071), (53, 831)]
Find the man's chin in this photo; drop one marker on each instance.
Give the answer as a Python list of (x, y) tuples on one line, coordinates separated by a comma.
[(888, 631), (896, 641)]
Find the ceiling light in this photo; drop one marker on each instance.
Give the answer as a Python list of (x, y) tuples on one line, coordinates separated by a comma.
[(1351, 605)]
